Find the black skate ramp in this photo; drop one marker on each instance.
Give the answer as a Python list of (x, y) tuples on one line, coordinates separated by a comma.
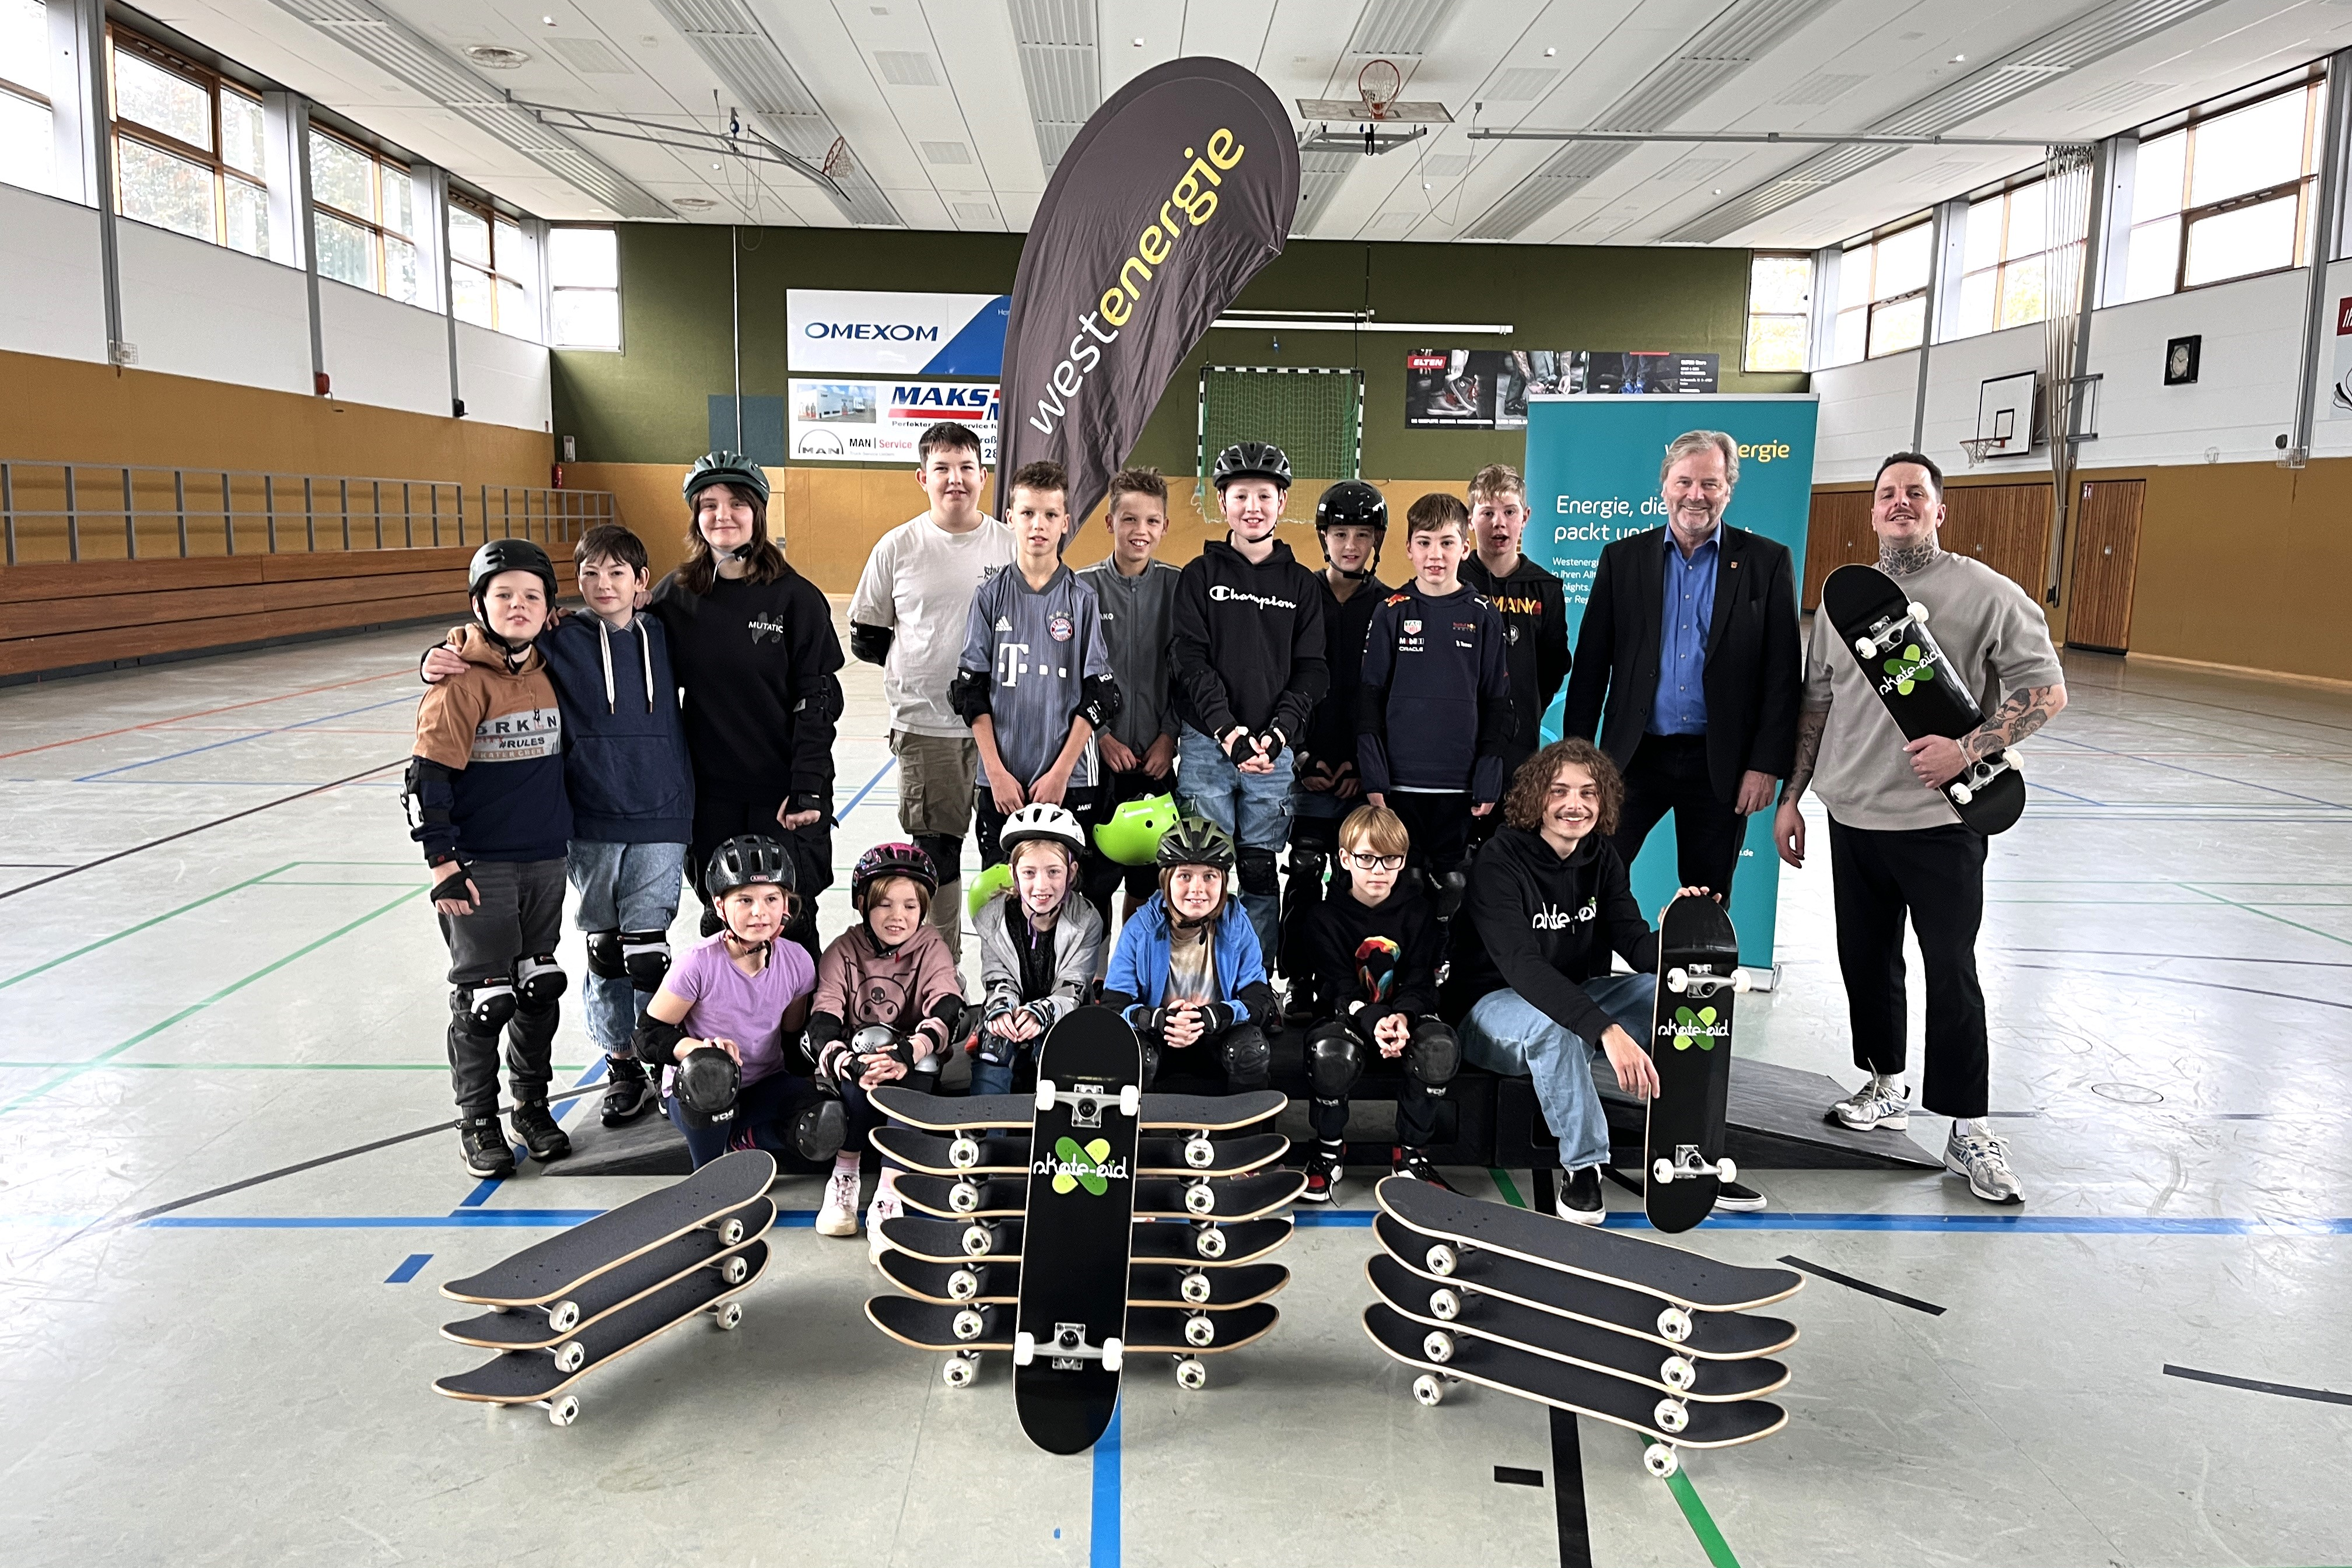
[(649, 1146)]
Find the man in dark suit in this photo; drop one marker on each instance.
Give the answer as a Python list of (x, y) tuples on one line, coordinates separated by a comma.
[(1687, 667)]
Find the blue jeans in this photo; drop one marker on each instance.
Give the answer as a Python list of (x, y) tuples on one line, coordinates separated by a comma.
[(1254, 807), (992, 1078), (1505, 1033), (622, 887)]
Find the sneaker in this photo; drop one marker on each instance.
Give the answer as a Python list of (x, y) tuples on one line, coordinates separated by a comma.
[(1875, 1104), (887, 1204), (1324, 1169), (628, 1092), (1580, 1197), (488, 1154), (838, 1215), (1737, 1197), (538, 1131), (1984, 1161), (1414, 1162)]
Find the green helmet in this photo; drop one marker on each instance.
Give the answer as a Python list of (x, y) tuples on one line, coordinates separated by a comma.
[(1196, 841), (732, 469), (997, 878), (1132, 836)]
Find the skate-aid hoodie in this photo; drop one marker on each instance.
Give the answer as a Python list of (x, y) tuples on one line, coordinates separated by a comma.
[(1542, 924)]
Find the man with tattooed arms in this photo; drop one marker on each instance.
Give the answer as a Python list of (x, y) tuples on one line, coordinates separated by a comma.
[(1895, 845)]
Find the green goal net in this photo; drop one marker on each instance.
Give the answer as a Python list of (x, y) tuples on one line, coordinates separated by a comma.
[(1315, 416)]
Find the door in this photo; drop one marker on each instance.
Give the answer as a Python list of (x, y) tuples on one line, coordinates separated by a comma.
[(2106, 561), (1839, 535)]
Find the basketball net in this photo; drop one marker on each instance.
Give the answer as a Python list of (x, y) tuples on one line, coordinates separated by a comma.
[(1378, 85)]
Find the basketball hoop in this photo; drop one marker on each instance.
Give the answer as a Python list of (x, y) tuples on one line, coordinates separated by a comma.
[(1976, 448), (1378, 85), (836, 158)]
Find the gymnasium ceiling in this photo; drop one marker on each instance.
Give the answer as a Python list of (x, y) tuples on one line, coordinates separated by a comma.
[(949, 110)]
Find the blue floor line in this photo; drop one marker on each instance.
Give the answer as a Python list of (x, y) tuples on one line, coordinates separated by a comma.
[(1102, 1536), (880, 774), (240, 740), (409, 1267)]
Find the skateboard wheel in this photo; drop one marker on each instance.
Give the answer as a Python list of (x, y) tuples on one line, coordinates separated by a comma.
[(1725, 1171), (1191, 1375), (1438, 1346), (1209, 1242), (964, 1153), (1130, 1099), (969, 1325), (564, 1317), (564, 1411), (1194, 1288), (1441, 1259), (1024, 1348), (957, 1373), (1445, 1305), (1677, 981), (1200, 1153), (1674, 1324), (1678, 1374), (1671, 1415), (1962, 794), (963, 1285), (1918, 612), (731, 1231), (570, 1356), (1200, 1198), (977, 1241), (1662, 1172), (1864, 646), (735, 1270), (963, 1198), (1114, 1355), (1045, 1094), (724, 1319), (1428, 1391), (1199, 1331), (1741, 983), (1661, 1460)]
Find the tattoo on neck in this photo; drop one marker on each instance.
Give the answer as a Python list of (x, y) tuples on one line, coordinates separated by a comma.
[(1902, 560)]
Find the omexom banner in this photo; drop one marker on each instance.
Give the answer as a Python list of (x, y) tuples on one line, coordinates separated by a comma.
[(860, 331)]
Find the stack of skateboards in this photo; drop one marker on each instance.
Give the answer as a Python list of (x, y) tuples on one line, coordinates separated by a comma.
[(1638, 1333), (564, 1307), (1164, 1205)]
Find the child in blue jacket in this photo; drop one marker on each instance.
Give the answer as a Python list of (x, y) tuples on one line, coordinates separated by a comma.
[(1188, 975)]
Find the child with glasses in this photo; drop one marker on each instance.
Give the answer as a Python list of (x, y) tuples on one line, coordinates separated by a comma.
[(1376, 947)]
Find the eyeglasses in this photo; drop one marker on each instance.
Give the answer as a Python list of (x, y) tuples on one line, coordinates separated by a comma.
[(1361, 861)]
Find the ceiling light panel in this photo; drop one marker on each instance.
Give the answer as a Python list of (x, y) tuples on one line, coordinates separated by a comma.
[(947, 153), (1400, 29), (1060, 65), (906, 68), (1520, 83), (590, 56)]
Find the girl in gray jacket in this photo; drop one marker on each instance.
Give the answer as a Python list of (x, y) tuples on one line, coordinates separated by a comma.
[(1040, 945)]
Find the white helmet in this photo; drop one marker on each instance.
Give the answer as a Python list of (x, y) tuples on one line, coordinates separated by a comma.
[(1040, 820)]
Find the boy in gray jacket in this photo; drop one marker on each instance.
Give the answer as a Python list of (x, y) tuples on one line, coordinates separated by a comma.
[(1138, 594), (1039, 947)]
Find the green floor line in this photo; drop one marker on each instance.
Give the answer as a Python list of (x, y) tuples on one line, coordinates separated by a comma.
[(1509, 1190), (143, 925), (193, 1008), (416, 886), (1701, 1523), (2255, 910)]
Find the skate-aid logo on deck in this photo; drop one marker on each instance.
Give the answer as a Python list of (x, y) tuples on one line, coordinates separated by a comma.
[(1701, 1027), (1911, 669), (1073, 1167)]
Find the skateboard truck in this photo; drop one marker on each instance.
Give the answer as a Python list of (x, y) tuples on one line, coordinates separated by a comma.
[(1702, 984), (1068, 1348), (1086, 1100), (1879, 638), (1688, 1165)]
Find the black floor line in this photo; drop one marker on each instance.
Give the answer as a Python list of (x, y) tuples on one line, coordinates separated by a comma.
[(200, 828), (2324, 1397), (1511, 1476), (2176, 979), (1568, 1492), (1867, 1288)]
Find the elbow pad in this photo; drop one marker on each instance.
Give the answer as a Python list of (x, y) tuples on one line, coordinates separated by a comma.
[(968, 694), (870, 643), (656, 1042), (1098, 701)]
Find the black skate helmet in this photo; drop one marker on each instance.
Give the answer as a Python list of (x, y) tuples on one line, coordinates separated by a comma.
[(732, 469), (506, 555), (883, 860), (1196, 841), (1352, 504), (743, 861), (1251, 460)]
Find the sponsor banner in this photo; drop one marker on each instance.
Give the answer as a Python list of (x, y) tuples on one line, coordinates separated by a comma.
[(1174, 193), (837, 420), (873, 333), (1592, 478), (1487, 389)]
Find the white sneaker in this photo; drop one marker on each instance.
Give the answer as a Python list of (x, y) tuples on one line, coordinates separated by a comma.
[(839, 1216), (1984, 1161), (1875, 1104), (887, 1204)]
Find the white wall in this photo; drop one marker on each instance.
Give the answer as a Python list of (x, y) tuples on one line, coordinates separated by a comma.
[(51, 297), (382, 352), (199, 309), (1865, 413), (504, 380)]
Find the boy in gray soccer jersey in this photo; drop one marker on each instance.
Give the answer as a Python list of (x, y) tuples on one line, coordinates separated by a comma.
[(1034, 681)]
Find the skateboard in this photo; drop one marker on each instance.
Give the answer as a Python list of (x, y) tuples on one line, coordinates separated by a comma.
[(1680, 1283), (1668, 1422), (541, 1274), (1200, 1114), (1690, 1042), (999, 1241), (997, 1283), (1069, 1324), (1003, 1154), (507, 1329), (1887, 634), (966, 1331), (530, 1378), (1714, 1336), (1227, 1199), (1577, 1343)]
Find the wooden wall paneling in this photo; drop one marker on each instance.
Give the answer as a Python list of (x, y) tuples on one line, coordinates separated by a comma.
[(2107, 565), (2007, 527), (1839, 534)]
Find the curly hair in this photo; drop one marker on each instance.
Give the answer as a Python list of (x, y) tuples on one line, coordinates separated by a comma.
[(1523, 805)]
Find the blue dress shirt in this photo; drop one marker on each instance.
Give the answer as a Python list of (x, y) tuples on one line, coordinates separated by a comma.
[(1680, 706)]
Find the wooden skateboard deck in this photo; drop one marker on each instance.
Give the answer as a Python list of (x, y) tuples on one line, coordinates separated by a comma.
[(1228, 1199), (1450, 1222), (1661, 1370), (536, 1377), (999, 1241), (997, 1283), (1161, 1113), (1007, 1155), (541, 1273), (543, 1328), (1887, 635), (1714, 1336), (1690, 1042), (1069, 1326), (966, 1332)]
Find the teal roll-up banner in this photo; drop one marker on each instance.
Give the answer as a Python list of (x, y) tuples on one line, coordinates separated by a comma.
[(1592, 477)]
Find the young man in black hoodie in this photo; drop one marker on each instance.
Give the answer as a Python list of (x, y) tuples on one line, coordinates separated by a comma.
[(1533, 606), (1249, 669)]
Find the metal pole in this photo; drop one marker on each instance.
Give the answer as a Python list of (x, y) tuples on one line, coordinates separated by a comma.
[(73, 518), (1765, 137), (407, 522), (436, 488), (375, 504), (130, 520), (228, 514), (180, 504), (269, 509), (8, 509), (343, 488), (309, 517), (735, 306), (2326, 234)]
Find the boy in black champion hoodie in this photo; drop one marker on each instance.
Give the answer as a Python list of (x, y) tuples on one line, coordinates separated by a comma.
[(1249, 668)]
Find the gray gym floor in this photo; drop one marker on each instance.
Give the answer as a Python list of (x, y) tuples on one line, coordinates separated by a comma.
[(245, 1379)]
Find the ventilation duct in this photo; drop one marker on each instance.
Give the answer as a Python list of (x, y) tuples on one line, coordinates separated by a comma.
[(1060, 67)]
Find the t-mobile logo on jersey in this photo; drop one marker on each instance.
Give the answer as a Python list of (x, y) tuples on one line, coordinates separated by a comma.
[(1550, 918), (1009, 662)]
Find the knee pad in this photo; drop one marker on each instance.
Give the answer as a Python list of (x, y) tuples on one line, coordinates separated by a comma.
[(1150, 1062), (606, 958), (485, 1004), (1247, 1056), (946, 852), (538, 981), (1258, 872), (1335, 1060), (1445, 892), (1309, 864), (1433, 1056), (645, 958)]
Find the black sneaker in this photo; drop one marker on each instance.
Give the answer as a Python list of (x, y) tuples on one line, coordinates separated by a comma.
[(1737, 1197), (628, 1091), (1324, 1169), (538, 1131), (1580, 1197), (1414, 1162), (487, 1153)]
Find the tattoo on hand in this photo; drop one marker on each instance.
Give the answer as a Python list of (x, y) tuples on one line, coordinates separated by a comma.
[(2019, 715)]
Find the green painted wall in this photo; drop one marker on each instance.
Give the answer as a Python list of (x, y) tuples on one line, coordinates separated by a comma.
[(648, 404)]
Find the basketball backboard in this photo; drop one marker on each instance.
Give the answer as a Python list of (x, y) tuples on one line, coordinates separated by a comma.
[(2006, 415)]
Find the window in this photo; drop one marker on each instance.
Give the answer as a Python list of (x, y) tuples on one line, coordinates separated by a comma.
[(2006, 260), (187, 147), (583, 273), (489, 270), (2226, 196), (1883, 294), (24, 118), (364, 216), (1779, 310)]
